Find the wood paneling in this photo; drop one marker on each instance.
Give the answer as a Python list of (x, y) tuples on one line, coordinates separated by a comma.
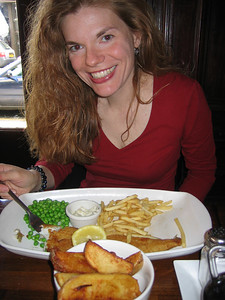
[(180, 21), (211, 71)]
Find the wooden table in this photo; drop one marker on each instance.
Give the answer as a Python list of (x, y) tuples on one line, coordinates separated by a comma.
[(31, 279)]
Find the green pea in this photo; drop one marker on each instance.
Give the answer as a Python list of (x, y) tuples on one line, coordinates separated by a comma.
[(36, 243)]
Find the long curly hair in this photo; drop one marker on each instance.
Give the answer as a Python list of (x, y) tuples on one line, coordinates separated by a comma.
[(61, 110)]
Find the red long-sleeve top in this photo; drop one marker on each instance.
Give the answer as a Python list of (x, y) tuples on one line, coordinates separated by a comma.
[(180, 121)]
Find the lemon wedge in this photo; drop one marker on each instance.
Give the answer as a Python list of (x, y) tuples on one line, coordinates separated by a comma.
[(89, 232)]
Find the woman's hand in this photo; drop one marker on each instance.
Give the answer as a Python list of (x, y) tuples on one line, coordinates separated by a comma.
[(17, 179)]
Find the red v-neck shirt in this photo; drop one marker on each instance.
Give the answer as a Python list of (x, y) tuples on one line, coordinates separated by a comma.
[(180, 121)]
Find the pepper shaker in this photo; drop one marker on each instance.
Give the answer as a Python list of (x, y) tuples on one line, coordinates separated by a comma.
[(214, 237)]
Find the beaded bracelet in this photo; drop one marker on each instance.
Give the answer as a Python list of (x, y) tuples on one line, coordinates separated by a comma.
[(43, 177)]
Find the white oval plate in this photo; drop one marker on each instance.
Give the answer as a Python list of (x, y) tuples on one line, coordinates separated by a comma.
[(191, 213)]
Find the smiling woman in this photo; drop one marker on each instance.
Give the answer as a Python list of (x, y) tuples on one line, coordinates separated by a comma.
[(102, 92)]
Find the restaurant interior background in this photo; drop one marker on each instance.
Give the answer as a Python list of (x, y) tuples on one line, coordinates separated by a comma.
[(195, 30)]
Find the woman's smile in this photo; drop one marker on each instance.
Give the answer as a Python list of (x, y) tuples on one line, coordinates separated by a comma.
[(103, 73)]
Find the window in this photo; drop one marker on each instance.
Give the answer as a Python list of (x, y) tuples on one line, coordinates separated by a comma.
[(11, 82)]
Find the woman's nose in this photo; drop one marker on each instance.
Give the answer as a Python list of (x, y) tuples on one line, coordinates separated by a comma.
[(94, 57)]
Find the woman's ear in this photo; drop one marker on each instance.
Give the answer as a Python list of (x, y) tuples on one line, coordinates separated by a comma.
[(137, 39)]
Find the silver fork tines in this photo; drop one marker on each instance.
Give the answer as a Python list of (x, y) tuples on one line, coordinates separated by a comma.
[(35, 221)]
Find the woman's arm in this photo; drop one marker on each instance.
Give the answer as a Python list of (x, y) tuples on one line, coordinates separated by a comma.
[(22, 181), (56, 173), (198, 146)]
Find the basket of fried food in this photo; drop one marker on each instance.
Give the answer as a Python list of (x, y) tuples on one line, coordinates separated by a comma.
[(103, 269)]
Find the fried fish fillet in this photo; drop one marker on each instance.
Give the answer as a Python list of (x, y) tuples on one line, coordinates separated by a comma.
[(104, 261), (60, 239), (148, 245), (70, 262), (100, 286)]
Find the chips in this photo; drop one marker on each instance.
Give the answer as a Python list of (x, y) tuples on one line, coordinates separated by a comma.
[(111, 279), (106, 262), (130, 216)]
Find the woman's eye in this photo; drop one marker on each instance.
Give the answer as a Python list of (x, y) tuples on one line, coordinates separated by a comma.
[(107, 37), (75, 48)]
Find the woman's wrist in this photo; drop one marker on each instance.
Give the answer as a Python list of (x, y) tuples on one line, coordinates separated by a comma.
[(40, 178)]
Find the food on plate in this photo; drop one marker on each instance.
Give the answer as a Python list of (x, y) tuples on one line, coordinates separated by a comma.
[(89, 232), (125, 220), (100, 286), (148, 245), (61, 239), (70, 262), (104, 261), (130, 216)]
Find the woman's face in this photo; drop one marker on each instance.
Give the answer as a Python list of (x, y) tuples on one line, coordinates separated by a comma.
[(101, 49)]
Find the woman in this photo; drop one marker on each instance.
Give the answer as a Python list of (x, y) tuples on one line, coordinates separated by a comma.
[(102, 93)]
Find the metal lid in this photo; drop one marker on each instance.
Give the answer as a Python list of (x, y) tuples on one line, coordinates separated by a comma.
[(215, 236)]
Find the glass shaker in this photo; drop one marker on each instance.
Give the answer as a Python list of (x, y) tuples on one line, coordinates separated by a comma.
[(211, 254)]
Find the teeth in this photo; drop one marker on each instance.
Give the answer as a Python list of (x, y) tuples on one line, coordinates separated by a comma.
[(102, 74)]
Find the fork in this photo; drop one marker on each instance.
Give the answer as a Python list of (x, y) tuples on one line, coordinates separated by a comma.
[(35, 221)]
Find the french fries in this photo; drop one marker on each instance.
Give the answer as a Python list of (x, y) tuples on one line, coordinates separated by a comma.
[(183, 237), (130, 216), (112, 278)]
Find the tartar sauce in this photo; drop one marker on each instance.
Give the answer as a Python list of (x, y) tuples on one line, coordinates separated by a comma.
[(85, 212)]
